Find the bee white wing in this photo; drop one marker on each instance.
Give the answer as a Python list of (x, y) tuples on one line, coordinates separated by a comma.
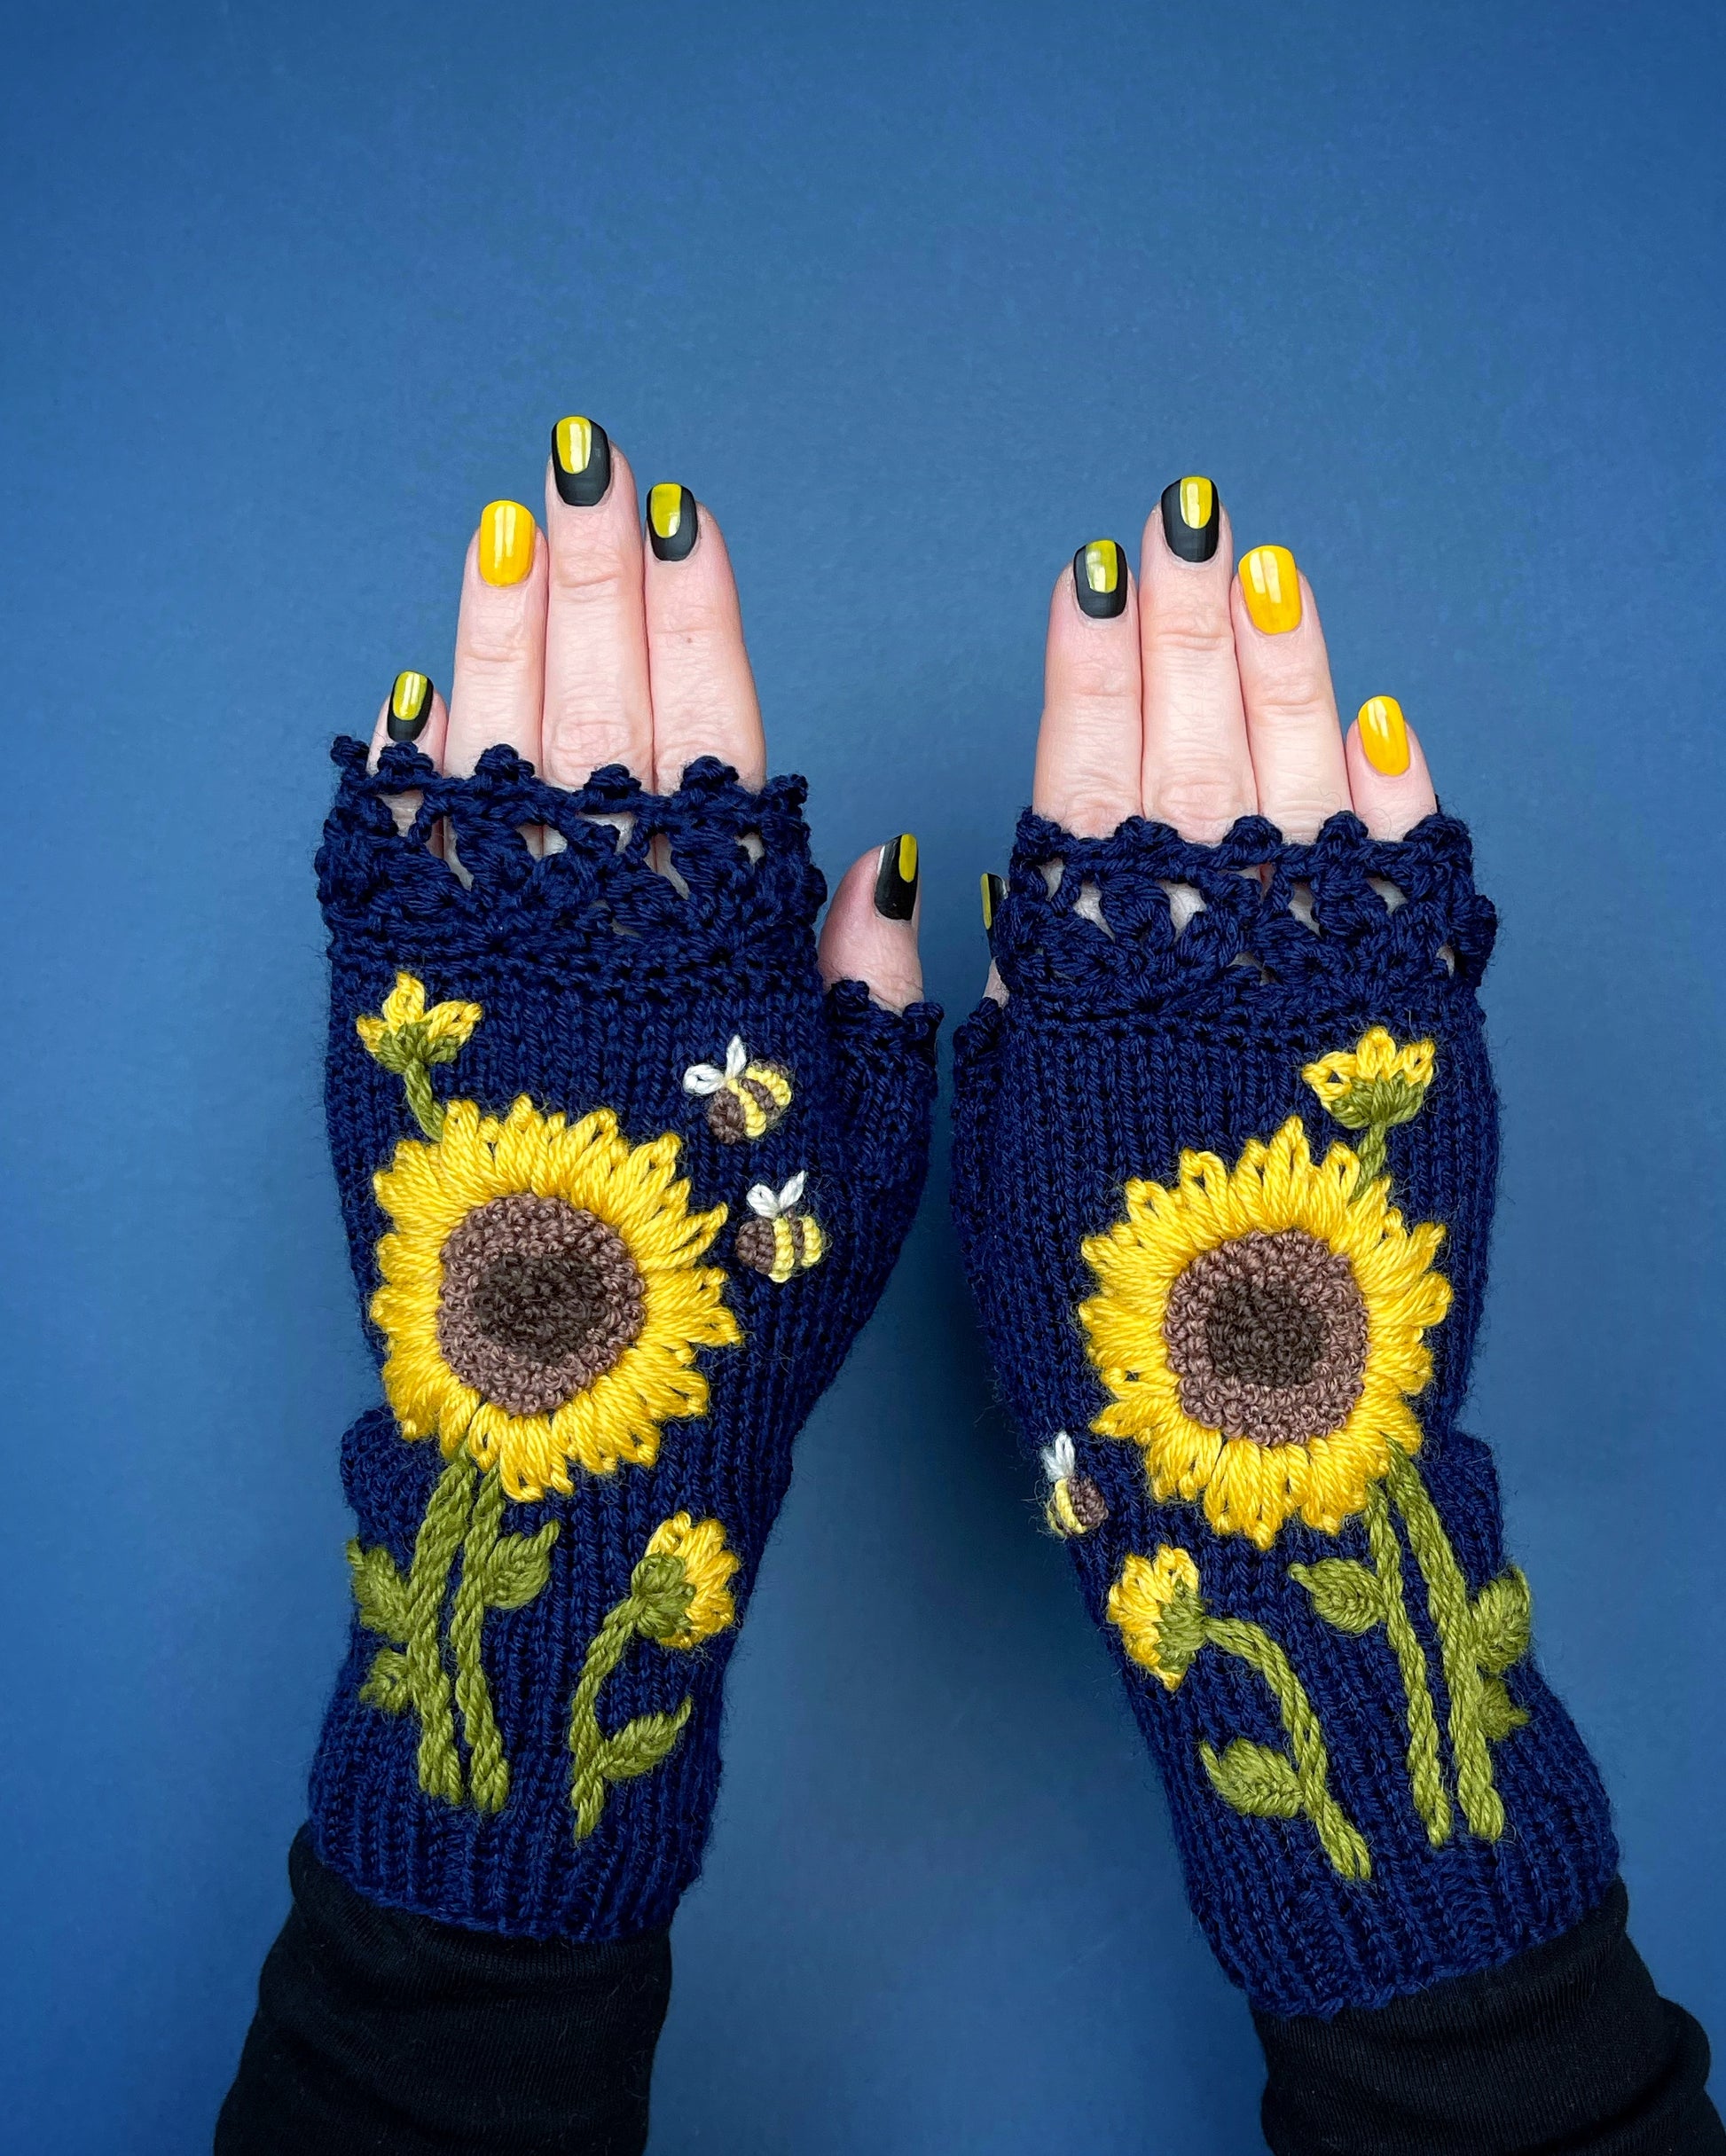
[(703, 1078), (764, 1201), (1059, 1459), (793, 1190), (737, 1057)]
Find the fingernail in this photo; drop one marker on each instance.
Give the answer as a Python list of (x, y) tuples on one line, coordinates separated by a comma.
[(581, 461), (671, 521), (994, 890), (1099, 580), (506, 532), (410, 706), (896, 880), (1385, 736), (1190, 519), (1270, 583)]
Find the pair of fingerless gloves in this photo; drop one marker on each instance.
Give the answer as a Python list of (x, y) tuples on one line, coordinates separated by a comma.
[(622, 1181)]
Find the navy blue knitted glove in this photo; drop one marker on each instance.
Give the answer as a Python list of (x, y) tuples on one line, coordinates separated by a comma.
[(1225, 1191), (620, 1183)]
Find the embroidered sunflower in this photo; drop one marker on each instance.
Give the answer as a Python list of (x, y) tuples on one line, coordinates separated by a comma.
[(543, 1297), (1261, 1331), (701, 1590), (1156, 1608)]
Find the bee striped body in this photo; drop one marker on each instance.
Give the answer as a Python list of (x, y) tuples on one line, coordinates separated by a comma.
[(781, 1239), (1075, 1503), (745, 1100)]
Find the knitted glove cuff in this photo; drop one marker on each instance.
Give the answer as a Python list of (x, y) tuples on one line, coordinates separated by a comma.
[(620, 1183), (1223, 1177)]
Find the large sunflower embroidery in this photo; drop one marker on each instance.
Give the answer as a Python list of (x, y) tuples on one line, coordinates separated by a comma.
[(1261, 1329), (543, 1296)]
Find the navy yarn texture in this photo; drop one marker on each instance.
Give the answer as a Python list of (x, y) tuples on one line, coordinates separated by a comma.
[(601, 981), (1121, 1046)]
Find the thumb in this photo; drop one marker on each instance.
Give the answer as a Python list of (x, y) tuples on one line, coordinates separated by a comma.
[(870, 934)]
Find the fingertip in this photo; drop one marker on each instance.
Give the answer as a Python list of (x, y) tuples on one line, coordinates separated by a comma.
[(861, 942), (1390, 803), (413, 711)]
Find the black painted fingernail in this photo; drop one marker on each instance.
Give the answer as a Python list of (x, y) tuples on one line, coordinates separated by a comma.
[(1191, 518), (994, 890), (671, 521), (410, 706), (1098, 577), (896, 880), (581, 461)]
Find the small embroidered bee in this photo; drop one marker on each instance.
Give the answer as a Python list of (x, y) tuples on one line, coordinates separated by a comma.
[(747, 1099), (1075, 1503), (781, 1239)]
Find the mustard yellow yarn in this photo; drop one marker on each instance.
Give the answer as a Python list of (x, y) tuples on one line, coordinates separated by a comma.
[(434, 1035), (1374, 1058), (1247, 1487), (699, 1546), (430, 1187), (1139, 1604)]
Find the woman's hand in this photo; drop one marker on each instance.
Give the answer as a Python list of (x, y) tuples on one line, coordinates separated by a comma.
[(594, 642)]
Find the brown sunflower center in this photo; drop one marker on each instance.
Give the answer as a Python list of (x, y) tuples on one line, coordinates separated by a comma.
[(1268, 1337), (539, 1298)]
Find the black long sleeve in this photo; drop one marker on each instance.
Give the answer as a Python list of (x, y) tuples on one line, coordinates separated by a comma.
[(381, 2032), (1567, 2050)]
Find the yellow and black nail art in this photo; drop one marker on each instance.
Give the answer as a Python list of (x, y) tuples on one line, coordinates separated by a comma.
[(994, 892), (581, 461), (671, 521), (410, 706), (1191, 518), (1099, 578), (896, 880)]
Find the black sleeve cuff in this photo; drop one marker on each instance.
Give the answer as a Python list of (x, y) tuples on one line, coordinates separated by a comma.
[(384, 2032), (1569, 2047)]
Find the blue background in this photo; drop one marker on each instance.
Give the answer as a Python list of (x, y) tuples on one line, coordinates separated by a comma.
[(918, 301)]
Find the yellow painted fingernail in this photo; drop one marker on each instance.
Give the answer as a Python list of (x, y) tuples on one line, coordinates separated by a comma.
[(1270, 583), (506, 532), (1385, 736), (410, 706), (673, 522)]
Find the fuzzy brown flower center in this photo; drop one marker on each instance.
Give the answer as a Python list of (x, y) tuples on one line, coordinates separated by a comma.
[(539, 1298), (1268, 1337)]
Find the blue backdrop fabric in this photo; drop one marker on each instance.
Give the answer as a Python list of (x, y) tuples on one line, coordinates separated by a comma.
[(918, 301)]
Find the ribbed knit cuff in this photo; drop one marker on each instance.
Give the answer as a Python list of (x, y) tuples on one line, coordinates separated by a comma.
[(620, 1183), (1223, 1176)]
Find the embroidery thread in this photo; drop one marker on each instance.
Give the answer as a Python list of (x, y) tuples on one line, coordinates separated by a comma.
[(1158, 1607), (745, 1100), (1075, 1503), (678, 1596), (543, 1297), (782, 1238)]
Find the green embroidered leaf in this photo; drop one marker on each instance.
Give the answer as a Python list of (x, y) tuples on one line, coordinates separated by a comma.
[(640, 1744), (386, 1686), (1345, 1594), (1254, 1779), (379, 1590), (1499, 1713), (519, 1566), (1503, 1620)]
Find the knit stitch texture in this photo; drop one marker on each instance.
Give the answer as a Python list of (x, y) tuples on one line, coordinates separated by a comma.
[(1371, 1786), (524, 1738)]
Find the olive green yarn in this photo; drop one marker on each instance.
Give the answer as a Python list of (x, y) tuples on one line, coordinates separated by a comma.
[(655, 1609), (498, 1572), (1270, 1785)]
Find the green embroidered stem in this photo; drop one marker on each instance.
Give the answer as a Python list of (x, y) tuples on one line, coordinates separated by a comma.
[(1454, 1620), (427, 1107), (1254, 1779), (409, 1611), (488, 1769), (1370, 1153), (1425, 1767), (596, 1759)]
